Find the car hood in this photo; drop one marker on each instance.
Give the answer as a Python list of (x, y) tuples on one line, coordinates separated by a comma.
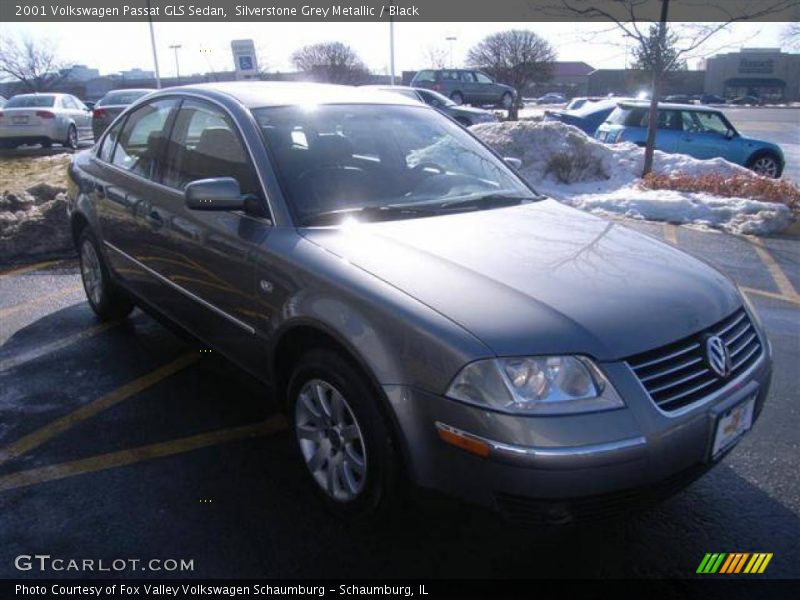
[(541, 278)]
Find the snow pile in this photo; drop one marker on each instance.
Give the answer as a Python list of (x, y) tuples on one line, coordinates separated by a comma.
[(34, 223), (563, 162)]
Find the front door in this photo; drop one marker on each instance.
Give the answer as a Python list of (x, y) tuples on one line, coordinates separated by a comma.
[(214, 252), (705, 135)]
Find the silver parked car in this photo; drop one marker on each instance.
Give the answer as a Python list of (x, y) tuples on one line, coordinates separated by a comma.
[(111, 104), (423, 315), (45, 119)]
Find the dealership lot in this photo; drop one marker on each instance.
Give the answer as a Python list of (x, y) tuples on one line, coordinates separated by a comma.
[(125, 441)]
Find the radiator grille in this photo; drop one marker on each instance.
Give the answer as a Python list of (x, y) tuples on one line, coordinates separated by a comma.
[(678, 374)]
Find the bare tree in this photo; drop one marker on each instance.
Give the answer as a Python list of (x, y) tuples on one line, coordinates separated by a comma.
[(436, 57), (517, 57), (625, 15), (333, 62), (791, 35), (33, 63)]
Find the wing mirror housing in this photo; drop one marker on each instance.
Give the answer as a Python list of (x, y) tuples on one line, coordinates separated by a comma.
[(217, 193), (512, 162)]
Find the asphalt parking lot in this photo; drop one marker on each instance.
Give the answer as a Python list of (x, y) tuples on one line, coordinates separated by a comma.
[(123, 440)]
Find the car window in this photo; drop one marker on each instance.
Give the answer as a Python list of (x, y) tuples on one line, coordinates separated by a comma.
[(425, 76), (33, 101), (630, 116), (483, 78), (357, 156), (123, 98), (468, 76), (667, 119), (107, 149), (205, 143), (709, 122), (139, 146), (450, 75)]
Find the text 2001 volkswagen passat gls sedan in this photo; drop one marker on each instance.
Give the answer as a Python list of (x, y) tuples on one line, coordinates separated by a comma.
[(425, 315)]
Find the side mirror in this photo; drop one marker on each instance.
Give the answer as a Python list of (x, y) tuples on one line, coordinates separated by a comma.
[(730, 134), (218, 193), (512, 162)]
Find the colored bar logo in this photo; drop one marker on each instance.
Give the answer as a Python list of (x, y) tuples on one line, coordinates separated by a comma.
[(734, 562)]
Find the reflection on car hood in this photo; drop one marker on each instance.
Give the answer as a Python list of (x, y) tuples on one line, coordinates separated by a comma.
[(541, 278)]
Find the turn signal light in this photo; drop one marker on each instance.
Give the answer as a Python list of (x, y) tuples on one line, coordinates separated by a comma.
[(463, 441)]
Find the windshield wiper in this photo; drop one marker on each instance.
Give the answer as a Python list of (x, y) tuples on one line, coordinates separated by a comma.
[(484, 202), (372, 213)]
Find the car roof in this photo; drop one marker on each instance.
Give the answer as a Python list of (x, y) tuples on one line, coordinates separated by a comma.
[(669, 105), (255, 94), (123, 90), (40, 94)]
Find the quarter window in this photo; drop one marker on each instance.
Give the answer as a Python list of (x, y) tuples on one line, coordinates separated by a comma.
[(107, 149), (139, 146), (204, 143)]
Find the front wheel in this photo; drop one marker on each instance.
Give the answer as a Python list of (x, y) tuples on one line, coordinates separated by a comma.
[(766, 165), (507, 101), (106, 300), (342, 437)]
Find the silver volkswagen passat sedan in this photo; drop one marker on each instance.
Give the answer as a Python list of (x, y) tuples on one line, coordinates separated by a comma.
[(423, 314)]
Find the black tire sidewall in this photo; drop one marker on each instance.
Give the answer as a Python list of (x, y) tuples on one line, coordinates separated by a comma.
[(382, 462)]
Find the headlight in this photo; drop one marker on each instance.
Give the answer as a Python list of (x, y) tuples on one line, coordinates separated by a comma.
[(537, 385)]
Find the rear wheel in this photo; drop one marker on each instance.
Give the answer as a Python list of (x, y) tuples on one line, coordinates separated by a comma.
[(457, 97), (507, 100), (766, 165), (342, 437), (106, 300), (72, 138)]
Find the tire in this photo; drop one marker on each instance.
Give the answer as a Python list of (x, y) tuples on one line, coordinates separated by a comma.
[(351, 459), (766, 164), (507, 101), (457, 97), (106, 300), (72, 138)]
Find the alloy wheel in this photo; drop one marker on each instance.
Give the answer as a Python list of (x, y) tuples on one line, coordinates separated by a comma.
[(766, 166), (330, 440), (91, 273)]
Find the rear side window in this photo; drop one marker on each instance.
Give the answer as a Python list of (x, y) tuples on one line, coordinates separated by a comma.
[(450, 75), (425, 76), (627, 115), (204, 143), (467, 76), (139, 145)]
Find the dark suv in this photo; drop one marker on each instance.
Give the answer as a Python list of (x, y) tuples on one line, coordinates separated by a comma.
[(466, 86)]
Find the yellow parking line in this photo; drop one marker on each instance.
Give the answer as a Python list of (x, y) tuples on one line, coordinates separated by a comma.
[(671, 233), (29, 268), (40, 436), (783, 283), (792, 300), (9, 310), (35, 353), (123, 458)]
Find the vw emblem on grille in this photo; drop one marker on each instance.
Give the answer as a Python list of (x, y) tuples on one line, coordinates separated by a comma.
[(717, 356)]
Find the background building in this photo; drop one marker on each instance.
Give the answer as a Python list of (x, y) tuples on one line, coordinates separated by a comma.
[(767, 73)]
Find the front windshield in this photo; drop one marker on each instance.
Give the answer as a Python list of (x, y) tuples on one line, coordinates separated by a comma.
[(380, 158)]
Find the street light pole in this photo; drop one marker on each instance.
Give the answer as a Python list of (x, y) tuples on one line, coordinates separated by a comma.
[(153, 46), (176, 47), (450, 40), (391, 48)]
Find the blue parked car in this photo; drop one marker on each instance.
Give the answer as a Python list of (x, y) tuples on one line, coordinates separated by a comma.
[(588, 117), (698, 131)]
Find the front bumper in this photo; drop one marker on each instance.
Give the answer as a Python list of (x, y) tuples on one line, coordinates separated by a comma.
[(564, 460)]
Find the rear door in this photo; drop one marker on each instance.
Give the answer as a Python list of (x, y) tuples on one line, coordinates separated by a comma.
[(133, 209), (214, 252)]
